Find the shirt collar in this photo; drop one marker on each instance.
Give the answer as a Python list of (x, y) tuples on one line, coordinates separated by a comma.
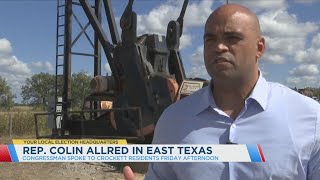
[(206, 99), (259, 93)]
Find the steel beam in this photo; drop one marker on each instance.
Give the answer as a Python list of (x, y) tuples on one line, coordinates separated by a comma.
[(111, 22), (66, 95), (97, 45), (96, 25)]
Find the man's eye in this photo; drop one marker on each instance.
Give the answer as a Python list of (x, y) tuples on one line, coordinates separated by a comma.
[(233, 37), (209, 39)]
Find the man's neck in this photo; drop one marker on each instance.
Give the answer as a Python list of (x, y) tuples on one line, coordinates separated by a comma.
[(230, 97)]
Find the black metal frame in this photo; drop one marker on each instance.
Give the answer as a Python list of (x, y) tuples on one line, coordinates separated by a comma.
[(63, 85), (96, 25), (133, 74), (100, 40), (130, 138)]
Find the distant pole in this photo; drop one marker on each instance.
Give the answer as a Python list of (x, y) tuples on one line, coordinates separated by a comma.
[(10, 125), (227, 2)]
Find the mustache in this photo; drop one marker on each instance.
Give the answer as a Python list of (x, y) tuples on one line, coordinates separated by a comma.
[(222, 58)]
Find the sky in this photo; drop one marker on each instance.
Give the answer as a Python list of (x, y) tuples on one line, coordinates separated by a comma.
[(291, 29)]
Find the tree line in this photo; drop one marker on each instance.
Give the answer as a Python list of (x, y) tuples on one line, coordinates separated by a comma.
[(39, 88)]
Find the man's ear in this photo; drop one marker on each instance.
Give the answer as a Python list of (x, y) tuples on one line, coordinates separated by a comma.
[(261, 47)]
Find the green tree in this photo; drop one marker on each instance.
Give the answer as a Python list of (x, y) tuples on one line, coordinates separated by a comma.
[(6, 96), (316, 92), (80, 88), (38, 88)]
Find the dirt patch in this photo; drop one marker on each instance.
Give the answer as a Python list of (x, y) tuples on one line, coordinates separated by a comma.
[(60, 171), (78, 171)]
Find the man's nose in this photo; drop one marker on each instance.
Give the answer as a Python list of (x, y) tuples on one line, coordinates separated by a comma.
[(221, 47)]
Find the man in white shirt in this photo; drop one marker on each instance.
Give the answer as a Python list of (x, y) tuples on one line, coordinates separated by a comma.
[(240, 106)]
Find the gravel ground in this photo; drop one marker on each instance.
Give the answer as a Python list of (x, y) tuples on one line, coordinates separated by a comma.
[(61, 171)]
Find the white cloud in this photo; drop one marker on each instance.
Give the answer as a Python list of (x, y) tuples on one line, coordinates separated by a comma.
[(107, 69), (274, 58), (197, 56), (305, 1), (185, 41), (156, 21), (12, 69), (198, 68), (305, 70), (302, 82), (197, 13), (262, 5), (43, 65), (316, 41), (310, 55), (14, 72), (14, 81), (264, 73), (5, 47), (284, 35), (304, 75), (198, 71), (11, 64), (281, 23)]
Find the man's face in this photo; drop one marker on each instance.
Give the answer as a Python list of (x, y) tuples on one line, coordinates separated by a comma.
[(230, 46)]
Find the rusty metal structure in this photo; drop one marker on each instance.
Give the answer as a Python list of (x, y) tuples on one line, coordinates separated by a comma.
[(147, 74)]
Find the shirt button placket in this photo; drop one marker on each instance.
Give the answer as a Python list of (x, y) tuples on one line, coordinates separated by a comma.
[(232, 134)]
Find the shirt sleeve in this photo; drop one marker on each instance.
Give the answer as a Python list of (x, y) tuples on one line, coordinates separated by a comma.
[(314, 164), (161, 170)]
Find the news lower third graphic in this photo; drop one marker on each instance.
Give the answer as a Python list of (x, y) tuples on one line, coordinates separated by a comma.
[(96, 150)]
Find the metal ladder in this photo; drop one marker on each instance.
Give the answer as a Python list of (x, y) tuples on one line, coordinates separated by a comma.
[(60, 45)]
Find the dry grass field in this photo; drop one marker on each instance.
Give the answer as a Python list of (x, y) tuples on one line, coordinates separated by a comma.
[(19, 124), (22, 108)]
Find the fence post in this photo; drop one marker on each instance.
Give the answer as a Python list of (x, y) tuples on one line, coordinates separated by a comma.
[(10, 125)]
